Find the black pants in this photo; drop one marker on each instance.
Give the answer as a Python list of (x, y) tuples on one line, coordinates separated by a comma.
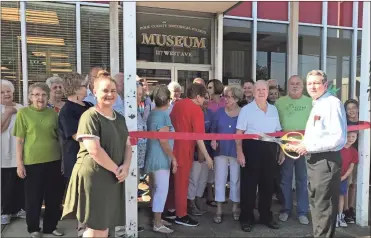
[(324, 172), (259, 171), (12, 191), (43, 182)]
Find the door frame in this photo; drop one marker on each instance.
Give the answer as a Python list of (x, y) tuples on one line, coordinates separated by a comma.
[(174, 67)]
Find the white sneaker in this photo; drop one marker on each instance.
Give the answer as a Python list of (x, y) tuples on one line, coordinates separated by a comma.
[(341, 221), (303, 220), (162, 229), (283, 217), (21, 214), (5, 219)]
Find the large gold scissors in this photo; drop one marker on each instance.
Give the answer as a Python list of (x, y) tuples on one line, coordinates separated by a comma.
[(290, 138)]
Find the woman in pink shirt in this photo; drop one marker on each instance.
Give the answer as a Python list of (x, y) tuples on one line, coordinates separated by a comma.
[(215, 89)]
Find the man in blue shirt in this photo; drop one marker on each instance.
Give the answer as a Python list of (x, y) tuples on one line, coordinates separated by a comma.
[(325, 136)]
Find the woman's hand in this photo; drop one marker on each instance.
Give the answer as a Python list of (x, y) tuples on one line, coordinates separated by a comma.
[(174, 165), (122, 173), (210, 162), (21, 171), (214, 144)]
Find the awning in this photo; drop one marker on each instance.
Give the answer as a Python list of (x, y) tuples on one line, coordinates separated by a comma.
[(195, 6)]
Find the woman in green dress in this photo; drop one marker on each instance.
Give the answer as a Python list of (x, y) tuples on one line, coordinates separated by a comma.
[(96, 189)]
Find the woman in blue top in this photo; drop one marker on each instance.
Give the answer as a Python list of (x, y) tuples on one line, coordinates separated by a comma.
[(224, 122), (159, 156)]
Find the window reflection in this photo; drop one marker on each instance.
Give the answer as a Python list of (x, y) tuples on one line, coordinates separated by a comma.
[(309, 46), (237, 53), (339, 51), (272, 52)]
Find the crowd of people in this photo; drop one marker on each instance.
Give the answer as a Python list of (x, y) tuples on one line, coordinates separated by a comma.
[(73, 155)]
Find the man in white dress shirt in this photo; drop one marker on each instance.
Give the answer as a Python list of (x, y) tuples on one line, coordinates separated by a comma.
[(325, 136), (257, 158)]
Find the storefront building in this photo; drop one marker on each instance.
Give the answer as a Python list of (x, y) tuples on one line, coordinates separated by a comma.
[(179, 41), (260, 40)]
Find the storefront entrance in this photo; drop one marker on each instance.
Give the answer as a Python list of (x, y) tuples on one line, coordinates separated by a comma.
[(164, 73)]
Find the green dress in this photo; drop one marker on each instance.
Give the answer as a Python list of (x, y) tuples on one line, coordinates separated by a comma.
[(94, 193)]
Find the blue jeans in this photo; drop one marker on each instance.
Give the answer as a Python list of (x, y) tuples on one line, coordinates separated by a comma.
[(301, 185)]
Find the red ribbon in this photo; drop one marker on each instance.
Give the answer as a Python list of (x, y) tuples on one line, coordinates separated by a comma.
[(134, 135)]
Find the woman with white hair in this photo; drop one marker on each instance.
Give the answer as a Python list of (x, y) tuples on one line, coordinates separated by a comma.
[(175, 92), (55, 84), (12, 191)]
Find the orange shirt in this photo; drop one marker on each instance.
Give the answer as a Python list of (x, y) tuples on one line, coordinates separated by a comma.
[(186, 116)]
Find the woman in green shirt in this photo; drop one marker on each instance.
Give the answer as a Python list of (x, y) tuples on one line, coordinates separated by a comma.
[(38, 160), (96, 189)]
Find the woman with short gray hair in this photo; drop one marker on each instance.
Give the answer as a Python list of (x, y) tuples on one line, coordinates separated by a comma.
[(224, 122), (12, 187), (38, 160), (159, 156), (55, 84), (175, 92)]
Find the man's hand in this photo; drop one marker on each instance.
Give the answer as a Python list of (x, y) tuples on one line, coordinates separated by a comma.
[(214, 144), (281, 158), (122, 173), (174, 164), (200, 156), (300, 149), (241, 159)]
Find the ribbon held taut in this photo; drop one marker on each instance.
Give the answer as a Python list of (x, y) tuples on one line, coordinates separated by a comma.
[(134, 135)]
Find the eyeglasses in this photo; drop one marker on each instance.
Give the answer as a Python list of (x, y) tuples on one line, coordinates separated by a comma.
[(57, 87), (37, 95), (228, 97)]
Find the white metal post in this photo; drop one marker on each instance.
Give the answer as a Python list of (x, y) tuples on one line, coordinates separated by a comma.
[(353, 71), (292, 66), (364, 115), (114, 38), (130, 104), (219, 48), (324, 36), (78, 38), (24, 52), (254, 39)]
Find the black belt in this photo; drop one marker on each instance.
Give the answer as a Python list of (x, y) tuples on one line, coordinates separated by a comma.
[(330, 156)]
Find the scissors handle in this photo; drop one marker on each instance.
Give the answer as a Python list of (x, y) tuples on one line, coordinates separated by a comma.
[(290, 138)]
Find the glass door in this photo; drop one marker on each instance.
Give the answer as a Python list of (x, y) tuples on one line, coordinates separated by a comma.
[(185, 75), (155, 74)]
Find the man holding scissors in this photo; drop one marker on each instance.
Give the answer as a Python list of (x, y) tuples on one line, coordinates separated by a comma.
[(325, 136)]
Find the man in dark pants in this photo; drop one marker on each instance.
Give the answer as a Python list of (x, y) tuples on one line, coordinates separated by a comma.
[(257, 158), (325, 136)]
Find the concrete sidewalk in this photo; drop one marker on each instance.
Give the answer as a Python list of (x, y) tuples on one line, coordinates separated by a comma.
[(229, 227)]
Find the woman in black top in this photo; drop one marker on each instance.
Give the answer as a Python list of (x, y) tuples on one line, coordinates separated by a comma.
[(75, 90)]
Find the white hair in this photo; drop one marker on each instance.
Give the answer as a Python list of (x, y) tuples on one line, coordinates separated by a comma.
[(54, 79), (7, 83), (173, 85)]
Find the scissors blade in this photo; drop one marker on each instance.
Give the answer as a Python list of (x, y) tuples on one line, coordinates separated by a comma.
[(265, 137)]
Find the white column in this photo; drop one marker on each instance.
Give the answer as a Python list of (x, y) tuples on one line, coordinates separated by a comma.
[(254, 39), (219, 48), (292, 66), (324, 36), (130, 92), (114, 38), (352, 83), (24, 52), (364, 115), (78, 38)]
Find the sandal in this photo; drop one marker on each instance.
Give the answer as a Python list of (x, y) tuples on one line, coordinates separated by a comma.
[(218, 218), (236, 215), (211, 203)]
